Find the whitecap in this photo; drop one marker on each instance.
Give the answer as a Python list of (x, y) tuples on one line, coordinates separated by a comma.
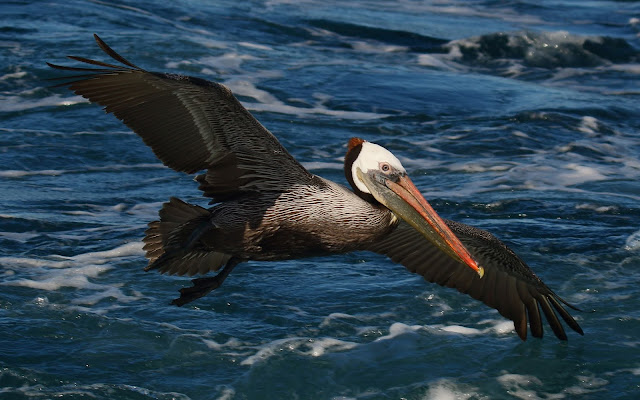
[(321, 346), (69, 277), (531, 387), (14, 75), (445, 389), (575, 174), (255, 46), (226, 393), (14, 173), (269, 349), (21, 237), (269, 103), (372, 47), (313, 347), (56, 272), (499, 327), (589, 125), (360, 317), (305, 111), (633, 242), (329, 319), (225, 62), (232, 343), (18, 103), (433, 61), (463, 330), (587, 384), (596, 208), (516, 384), (397, 329), (112, 292)]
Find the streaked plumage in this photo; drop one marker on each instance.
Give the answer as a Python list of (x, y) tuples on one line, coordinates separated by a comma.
[(266, 206)]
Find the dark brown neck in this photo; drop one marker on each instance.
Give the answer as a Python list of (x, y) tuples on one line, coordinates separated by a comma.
[(353, 151)]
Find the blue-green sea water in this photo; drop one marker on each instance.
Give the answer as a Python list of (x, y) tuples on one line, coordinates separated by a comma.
[(518, 117)]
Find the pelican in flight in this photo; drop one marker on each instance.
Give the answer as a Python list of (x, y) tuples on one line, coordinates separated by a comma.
[(266, 206)]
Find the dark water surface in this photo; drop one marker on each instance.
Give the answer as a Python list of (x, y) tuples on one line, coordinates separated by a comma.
[(519, 117)]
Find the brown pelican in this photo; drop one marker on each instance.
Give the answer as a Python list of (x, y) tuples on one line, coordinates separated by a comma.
[(267, 206)]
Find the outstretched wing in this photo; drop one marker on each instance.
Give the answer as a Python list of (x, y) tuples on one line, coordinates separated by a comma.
[(190, 124), (508, 284)]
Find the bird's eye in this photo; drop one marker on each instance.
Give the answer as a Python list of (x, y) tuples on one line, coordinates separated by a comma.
[(385, 167)]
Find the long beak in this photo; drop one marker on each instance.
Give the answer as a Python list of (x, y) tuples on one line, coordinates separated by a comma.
[(407, 203)]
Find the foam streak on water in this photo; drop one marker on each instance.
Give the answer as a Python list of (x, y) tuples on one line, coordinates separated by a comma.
[(517, 117)]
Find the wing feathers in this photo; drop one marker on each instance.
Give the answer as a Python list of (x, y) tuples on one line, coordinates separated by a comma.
[(190, 124), (508, 285), (552, 318), (112, 53), (565, 315), (94, 62)]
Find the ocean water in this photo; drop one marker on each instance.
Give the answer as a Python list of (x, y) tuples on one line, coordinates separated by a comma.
[(519, 117)]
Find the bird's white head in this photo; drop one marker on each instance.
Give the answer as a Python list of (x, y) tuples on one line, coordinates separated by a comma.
[(368, 157), (378, 177)]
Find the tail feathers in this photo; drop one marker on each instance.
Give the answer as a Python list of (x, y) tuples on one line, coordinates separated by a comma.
[(189, 263), (170, 243)]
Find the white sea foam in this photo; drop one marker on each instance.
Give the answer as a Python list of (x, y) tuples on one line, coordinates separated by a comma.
[(438, 306), (499, 327), (596, 208), (628, 68), (436, 61), (232, 343), (269, 103), (543, 171), (633, 242), (55, 272), (93, 258), (225, 62), (56, 172), (313, 347), (531, 387), (76, 277), (304, 111), (14, 75), (209, 43), (19, 236), (463, 330), (445, 389), (372, 47), (226, 393), (255, 46), (333, 316), (78, 390), (516, 385), (575, 174), (397, 329), (321, 346), (589, 125), (19, 103), (12, 173), (243, 87), (360, 317)]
